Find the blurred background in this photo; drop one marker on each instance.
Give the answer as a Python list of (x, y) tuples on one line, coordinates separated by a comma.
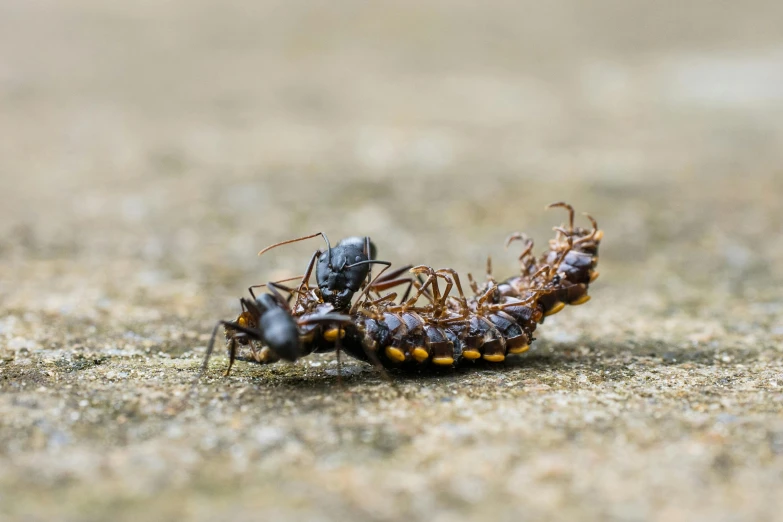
[(149, 149)]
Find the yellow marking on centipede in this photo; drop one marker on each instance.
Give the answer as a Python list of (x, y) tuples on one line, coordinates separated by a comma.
[(519, 349), (471, 354), (581, 300), (497, 357), (594, 276), (331, 334), (443, 361), (242, 320), (598, 235), (552, 311), (395, 354), (420, 354)]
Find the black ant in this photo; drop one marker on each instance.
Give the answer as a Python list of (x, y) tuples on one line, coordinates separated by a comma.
[(267, 320), (314, 322)]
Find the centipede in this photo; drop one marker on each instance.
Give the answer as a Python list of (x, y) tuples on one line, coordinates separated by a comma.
[(412, 317)]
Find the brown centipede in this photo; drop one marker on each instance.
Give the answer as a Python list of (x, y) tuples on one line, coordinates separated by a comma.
[(438, 325)]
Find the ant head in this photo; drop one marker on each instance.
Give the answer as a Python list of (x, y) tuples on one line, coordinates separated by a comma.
[(341, 271)]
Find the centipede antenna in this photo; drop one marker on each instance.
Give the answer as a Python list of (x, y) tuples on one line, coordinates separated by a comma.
[(270, 247)]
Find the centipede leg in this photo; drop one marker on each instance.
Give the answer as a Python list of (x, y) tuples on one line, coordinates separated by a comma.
[(385, 285), (419, 291), (455, 278), (562, 204), (473, 284)]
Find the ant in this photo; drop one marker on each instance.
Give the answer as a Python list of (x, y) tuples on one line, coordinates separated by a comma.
[(267, 319), (317, 320)]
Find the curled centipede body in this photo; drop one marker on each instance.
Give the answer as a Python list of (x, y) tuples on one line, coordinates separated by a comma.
[(439, 326)]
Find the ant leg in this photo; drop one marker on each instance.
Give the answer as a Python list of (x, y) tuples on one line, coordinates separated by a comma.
[(277, 283), (290, 291), (204, 365), (385, 282), (252, 333), (394, 274), (337, 348), (275, 288), (232, 355), (306, 277), (367, 289), (391, 283)]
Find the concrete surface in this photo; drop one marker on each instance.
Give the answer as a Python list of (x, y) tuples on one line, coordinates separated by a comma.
[(149, 149)]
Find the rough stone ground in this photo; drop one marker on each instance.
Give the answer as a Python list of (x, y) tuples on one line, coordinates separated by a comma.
[(150, 149)]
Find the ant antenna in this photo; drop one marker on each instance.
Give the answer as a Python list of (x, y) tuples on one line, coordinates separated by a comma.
[(329, 248), (368, 262)]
